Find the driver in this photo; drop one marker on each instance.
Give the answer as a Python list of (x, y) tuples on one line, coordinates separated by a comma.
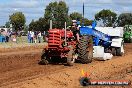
[(76, 32)]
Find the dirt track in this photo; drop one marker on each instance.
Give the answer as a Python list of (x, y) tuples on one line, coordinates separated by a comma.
[(20, 69), (21, 64)]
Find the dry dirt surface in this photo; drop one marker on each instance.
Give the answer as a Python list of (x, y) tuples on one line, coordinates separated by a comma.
[(20, 69)]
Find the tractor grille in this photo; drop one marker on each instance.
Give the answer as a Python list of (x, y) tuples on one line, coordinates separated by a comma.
[(54, 40)]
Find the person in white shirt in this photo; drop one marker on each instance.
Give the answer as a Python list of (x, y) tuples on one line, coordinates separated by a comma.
[(39, 37), (32, 35)]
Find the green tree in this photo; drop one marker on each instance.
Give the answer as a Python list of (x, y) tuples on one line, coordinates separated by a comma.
[(26, 28), (87, 22), (107, 17), (41, 24), (17, 20), (32, 25), (58, 13), (38, 25), (125, 19), (7, 24), (76, 16)]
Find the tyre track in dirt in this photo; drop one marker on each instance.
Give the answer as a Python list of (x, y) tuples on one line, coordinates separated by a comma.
[(16, 66), (19, 66)]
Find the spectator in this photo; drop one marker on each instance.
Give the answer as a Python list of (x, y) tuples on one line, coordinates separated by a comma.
[(7, 36), (32, 35), (29, 37), (10, 33), (39, 37), (44, 37), (35, 37), (14, 38), (4, 34)]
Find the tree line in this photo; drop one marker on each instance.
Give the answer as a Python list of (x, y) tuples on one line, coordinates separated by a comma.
[(58, 12)]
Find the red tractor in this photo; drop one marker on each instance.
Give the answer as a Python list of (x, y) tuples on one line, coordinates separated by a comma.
[(63, 46)]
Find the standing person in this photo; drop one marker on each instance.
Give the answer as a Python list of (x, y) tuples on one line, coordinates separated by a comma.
[(35, 37), (10, 33), (7, 36), (44, 36), (32, 35), (4, 33), (29, 37), (39, 37), (14, 37)]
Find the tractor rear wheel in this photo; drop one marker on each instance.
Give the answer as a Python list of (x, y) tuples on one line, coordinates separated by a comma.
[(70, 57), (44, 59), (85, 49)]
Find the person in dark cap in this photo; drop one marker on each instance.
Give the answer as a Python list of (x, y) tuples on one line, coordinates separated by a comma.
[(75, 30)]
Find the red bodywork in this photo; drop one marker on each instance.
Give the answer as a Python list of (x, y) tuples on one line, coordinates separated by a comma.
[(56, 42)]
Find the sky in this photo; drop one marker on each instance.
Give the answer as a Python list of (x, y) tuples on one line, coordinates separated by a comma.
[(34, 9)]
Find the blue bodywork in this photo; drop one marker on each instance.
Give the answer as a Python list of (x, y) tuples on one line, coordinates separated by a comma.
[(99, 37)]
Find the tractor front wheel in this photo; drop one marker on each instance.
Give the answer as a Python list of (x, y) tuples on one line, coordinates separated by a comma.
[(70, 57), (44, 59)]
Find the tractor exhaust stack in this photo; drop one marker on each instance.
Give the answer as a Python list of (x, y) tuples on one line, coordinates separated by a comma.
[(50, 24), (65, 33)]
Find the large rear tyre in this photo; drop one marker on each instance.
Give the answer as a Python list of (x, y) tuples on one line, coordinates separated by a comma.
[(85, 49), (70, 57)]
